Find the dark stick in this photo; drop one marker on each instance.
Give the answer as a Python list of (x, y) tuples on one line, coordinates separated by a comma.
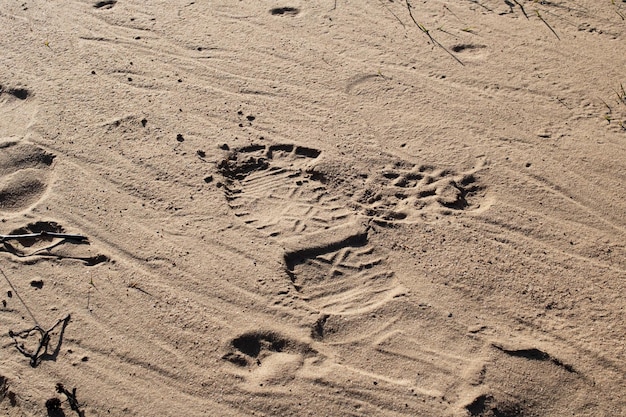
[(42, 234), (43, 342), (71, 399), (547, 24), (521, 7), (394, 15), (453, 14)]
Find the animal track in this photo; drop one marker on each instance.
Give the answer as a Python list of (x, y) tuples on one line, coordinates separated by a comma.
[(268, 359), (407, 193), (24, 174), (251, 347)]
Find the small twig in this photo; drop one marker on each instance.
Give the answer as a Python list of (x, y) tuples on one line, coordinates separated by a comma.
[(547, 24), (441, 29), (563, 103), (138, 288), (521, 8), (453, 14), (620, 14), (71, 399), (469, 30), (607, 106), (391, 11), (44, 340), (427, 33), (607, 116), (481, 5), (621, 95)]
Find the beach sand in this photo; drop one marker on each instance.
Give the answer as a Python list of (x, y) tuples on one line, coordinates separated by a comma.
[(324, 208)]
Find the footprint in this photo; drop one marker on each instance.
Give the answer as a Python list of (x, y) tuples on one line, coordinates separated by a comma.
[(277, 189), (337, 271), (267, 359), (24, 174), (409, 193), (273, 189)]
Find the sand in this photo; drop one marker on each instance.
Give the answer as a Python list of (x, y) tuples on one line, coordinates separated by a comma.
[(296, 208)]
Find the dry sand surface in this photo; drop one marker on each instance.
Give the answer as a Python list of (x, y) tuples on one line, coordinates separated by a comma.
[(325, 208)]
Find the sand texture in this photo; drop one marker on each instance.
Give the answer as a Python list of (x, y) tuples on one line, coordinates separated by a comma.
[(313, 208)]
